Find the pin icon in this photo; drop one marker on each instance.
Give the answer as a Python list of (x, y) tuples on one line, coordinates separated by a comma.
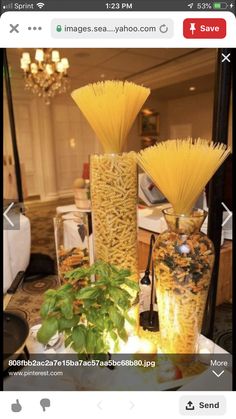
[(192, 27), (16, 407), (45, 403)]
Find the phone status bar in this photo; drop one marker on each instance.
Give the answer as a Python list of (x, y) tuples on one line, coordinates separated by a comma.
[(107, 5)]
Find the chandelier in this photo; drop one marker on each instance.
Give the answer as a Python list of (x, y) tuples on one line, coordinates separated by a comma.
[(46, 76)]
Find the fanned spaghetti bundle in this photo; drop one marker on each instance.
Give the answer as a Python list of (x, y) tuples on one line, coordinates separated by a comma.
[(182, 168), (111, 108)]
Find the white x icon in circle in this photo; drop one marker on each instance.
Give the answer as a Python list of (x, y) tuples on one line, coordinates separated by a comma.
[(225, 58)]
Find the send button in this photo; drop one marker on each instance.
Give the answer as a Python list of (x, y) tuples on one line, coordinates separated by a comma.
[(202, 405)]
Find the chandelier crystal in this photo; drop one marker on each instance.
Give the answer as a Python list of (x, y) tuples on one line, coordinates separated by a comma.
[(47, 75)]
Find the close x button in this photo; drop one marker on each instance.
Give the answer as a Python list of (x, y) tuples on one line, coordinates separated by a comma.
[(204, 28)]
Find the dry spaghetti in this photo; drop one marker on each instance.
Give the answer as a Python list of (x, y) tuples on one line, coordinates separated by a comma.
[(111, 108), (182, 168)]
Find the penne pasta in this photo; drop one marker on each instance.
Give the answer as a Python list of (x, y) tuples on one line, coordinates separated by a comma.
[(115, 209)]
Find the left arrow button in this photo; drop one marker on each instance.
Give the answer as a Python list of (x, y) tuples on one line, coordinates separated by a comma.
[(6, 212)]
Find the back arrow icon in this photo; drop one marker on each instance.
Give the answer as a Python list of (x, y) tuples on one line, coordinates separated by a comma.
[(6, 212), (99, 405)]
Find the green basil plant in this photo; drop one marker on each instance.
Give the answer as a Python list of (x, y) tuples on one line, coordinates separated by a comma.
[(93, 316)]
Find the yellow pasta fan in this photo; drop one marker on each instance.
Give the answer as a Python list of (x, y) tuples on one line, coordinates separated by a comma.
[(182, 168), (111, 108)]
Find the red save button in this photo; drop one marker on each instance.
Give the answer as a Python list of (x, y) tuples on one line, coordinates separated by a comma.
[(204, 28)]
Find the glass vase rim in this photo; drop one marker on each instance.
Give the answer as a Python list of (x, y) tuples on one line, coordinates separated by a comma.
[(195, 213), (74, 214), (120, 153)]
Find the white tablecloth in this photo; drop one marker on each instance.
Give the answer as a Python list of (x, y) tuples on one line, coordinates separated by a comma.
[(16, 251)]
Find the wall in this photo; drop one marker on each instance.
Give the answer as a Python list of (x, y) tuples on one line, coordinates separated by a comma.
[(195, 111), (73, 141), (186, 116), (26, 133), (189, 115), (44, 133), (134, 138)]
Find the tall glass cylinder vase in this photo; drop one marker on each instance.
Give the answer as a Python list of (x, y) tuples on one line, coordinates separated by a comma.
[(114, 209), (114, 197), (183, 258)]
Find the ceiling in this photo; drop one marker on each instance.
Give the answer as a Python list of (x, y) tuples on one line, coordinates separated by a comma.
[(89, 65)]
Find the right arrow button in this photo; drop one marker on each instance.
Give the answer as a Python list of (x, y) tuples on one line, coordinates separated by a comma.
[(229, 214)]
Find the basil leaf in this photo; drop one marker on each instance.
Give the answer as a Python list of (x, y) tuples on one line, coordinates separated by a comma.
[(123, 335), (47, 307), (88, 303), (117, 281), (116, 317), (64, 290), (118, 294), (125, 272), (113, 335), (68, 341), (78, 273), (47, 330), (50, 293), (64, 323), (100, 348), (90, 342), (132, 284), (87, 293), (129, 319), (79, 338), (67, 308)]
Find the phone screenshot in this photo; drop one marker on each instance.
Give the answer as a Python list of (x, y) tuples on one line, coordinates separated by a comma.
[(117, 208)]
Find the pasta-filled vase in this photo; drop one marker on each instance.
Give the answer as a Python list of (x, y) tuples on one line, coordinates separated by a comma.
[(114, 209), (71, 231), (183, 259)]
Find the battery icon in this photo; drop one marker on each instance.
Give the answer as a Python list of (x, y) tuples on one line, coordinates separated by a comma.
[(220, 6)]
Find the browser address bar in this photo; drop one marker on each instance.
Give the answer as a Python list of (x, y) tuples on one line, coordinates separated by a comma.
[(112, 28)]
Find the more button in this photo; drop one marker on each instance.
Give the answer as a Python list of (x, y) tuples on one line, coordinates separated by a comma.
[(202, 405)]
